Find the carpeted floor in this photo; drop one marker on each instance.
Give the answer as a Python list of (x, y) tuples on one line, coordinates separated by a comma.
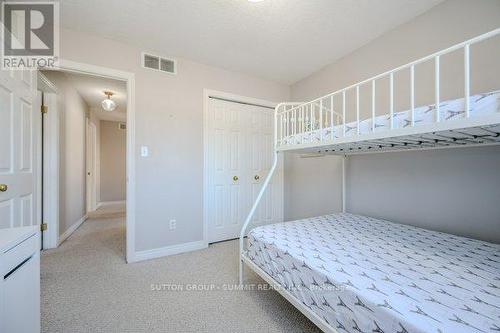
[(108, 211), (88, 287)]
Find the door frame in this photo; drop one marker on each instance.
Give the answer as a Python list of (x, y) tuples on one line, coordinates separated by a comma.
[(207, 93), (129, 78), (91, 166), (50, 142)]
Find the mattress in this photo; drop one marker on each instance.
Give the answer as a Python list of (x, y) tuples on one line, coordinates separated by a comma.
[(480, 105), (361, 274)]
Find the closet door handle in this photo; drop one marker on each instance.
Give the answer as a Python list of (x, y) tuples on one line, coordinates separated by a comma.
[(256, 177), (3, 187), (235, 178)]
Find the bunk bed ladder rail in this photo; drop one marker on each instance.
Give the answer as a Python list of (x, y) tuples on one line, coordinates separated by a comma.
[(321, 102), (278, 119)]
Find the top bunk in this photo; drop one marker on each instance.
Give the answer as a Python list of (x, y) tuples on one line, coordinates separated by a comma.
[(372, 115)]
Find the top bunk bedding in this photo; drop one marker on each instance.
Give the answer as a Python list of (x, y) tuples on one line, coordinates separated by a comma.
[(362, 274), (480, 105)]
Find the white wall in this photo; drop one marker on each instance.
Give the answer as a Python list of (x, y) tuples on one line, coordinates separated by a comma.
[(310, 187), (72, 125), (169, 183), (448, 190), (455, 191), (113, 149)]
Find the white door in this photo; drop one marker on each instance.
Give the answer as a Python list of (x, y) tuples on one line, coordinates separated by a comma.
[(19, 140), (238, 157), (91, 166), (260, 158)]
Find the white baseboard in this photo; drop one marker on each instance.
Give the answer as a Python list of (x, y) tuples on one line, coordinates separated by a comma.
[(168, 251), (107, 203), (71, 230)]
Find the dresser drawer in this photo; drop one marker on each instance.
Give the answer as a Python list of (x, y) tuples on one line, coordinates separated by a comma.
[(18, 254)]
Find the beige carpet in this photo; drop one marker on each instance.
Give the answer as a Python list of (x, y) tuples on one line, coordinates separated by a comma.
[(108, 211), (88, 287)]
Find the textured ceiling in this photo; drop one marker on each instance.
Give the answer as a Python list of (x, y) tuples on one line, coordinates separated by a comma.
[(280, 40), (91, 89)]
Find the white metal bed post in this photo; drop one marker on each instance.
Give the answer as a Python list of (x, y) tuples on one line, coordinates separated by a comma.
[(436, 89), (343, 183), (412, 94), (391, 98), (332, 122), (467, 80), (261, 192)]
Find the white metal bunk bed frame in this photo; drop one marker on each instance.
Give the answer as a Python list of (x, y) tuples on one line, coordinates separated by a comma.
[(293, 117)]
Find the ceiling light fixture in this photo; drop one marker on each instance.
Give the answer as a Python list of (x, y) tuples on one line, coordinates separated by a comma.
[(108, 104)]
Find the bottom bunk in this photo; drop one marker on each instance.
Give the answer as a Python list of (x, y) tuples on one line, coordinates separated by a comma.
[(361, 274)]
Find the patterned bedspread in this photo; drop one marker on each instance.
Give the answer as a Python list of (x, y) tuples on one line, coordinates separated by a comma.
[(361, 274)]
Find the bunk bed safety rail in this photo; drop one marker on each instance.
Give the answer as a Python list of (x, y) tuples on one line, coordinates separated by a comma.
[(290, 123), (298, 121)]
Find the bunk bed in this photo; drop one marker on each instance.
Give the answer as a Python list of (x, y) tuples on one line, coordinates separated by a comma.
[(351, 273)]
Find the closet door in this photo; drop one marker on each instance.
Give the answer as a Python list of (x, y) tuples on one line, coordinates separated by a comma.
[(260, 152), (227, 174), (238, 156)]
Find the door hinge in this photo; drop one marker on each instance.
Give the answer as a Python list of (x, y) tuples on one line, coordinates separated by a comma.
[(43, 226), (44, 109)]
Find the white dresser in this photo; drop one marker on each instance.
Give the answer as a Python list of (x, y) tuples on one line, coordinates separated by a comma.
[(20, 280)]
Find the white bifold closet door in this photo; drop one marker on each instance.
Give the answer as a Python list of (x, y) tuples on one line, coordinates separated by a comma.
[(19, 139), (238, 157)]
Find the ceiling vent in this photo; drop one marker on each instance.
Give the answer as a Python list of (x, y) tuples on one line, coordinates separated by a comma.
[(159, 63), (122, 126)]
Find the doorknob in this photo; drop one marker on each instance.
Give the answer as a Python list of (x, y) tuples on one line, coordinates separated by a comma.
[(3, 187), (256, 177), (235, 178)]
